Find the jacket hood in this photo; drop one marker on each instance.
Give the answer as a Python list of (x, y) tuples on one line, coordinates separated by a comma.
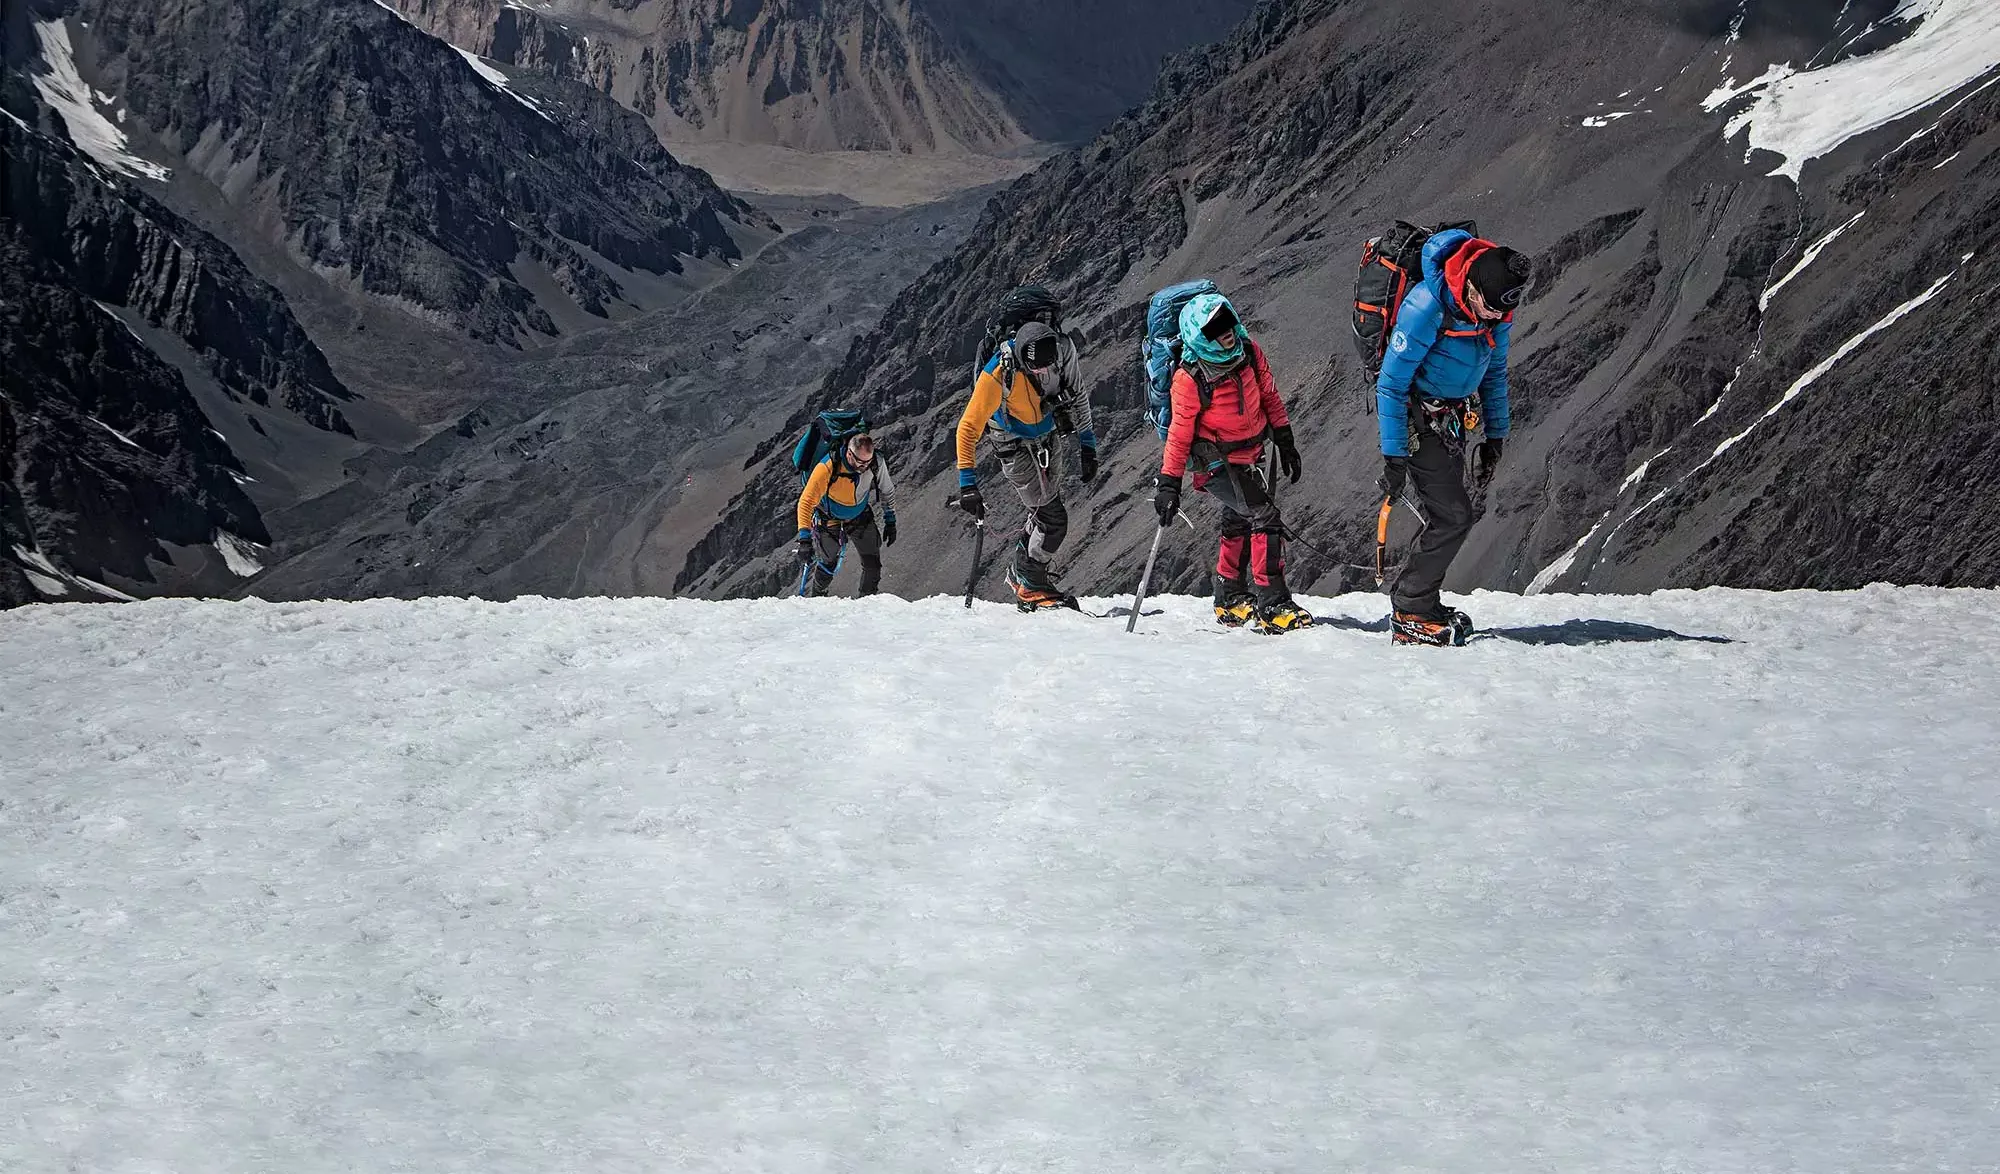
[(1448, 258), (1195, 315)]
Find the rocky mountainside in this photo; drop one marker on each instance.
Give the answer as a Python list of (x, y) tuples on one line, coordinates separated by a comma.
[(1759, 352), (140, 356), (381, 159), (591, 467), (258, 242), (914, 76)]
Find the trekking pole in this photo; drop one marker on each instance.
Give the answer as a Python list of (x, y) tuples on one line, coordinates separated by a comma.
[(1145, 580), (1146, 577), (978, 543)]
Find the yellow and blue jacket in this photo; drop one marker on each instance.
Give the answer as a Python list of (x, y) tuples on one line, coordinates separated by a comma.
[(837, 493), (1019, 409)]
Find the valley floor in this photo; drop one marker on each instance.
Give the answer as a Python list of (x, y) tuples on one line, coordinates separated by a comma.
[(876, 178), (1702, 881)]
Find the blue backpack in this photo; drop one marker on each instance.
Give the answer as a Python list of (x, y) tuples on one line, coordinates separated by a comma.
[(822, 436), (1161, 348)]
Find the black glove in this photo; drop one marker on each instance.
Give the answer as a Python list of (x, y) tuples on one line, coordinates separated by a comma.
[(888, 527), (970, 501), (802, 549), (1086, 462), (1486, 458), (1166, 499), (1395, 471), (1288, 453)]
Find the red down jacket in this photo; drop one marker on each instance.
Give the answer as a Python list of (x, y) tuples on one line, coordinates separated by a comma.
[(1240, 407)]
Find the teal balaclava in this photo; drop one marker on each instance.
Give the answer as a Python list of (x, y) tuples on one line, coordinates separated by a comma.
[(1196, 316)]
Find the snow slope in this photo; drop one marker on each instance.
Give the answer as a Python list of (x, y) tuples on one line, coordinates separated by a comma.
[(887, 886), (80, 106), (1804, 115)]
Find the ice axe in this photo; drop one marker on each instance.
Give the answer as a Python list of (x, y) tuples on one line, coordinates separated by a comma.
[(1382, 539), (978, 545), (1382, 530), (1145, 579)]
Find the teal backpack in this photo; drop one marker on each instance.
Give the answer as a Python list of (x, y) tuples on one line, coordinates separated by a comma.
[(826, 433)]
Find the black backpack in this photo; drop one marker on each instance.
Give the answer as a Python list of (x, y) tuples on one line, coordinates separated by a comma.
[(1390, 265), (1022, 305), (1028, 303), (823, 435)]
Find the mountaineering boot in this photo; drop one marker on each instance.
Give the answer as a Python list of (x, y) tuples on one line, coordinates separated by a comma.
[(1276, 619), (1236, 612), (1446, 627), (1030, 596)]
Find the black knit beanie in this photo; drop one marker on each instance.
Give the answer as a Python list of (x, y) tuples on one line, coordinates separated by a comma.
[(1501, 276)]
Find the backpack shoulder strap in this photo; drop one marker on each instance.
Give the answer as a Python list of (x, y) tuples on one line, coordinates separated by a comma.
[(1204, 390)]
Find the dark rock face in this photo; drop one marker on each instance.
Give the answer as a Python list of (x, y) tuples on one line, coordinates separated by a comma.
[(109, 458), (114, 244), (1265, 161), (380, 157), (107, 455)]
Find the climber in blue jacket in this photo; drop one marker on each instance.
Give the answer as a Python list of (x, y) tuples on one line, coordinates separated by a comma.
[(1445, 375)]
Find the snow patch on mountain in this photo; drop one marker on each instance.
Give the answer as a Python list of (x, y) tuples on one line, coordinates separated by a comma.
[(1802, 115), (1930, 130), (1557, 569), (49, 579), (1729, 91), (1812, 376), (45, 584), (1807, 258), (78, 105), (499, 80), (1550, 575), (237, 554), (122, 438)]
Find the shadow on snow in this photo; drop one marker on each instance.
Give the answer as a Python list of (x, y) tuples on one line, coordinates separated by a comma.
[(1570, 632)]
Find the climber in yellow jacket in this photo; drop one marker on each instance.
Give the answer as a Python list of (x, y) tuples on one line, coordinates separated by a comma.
[(1030, 393), (837, 506)]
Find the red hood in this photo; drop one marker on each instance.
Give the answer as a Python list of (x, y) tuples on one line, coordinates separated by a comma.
[(1458, 267)]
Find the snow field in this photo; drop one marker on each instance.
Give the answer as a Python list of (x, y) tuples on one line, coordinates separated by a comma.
[(1804, 115), (880, 886)]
